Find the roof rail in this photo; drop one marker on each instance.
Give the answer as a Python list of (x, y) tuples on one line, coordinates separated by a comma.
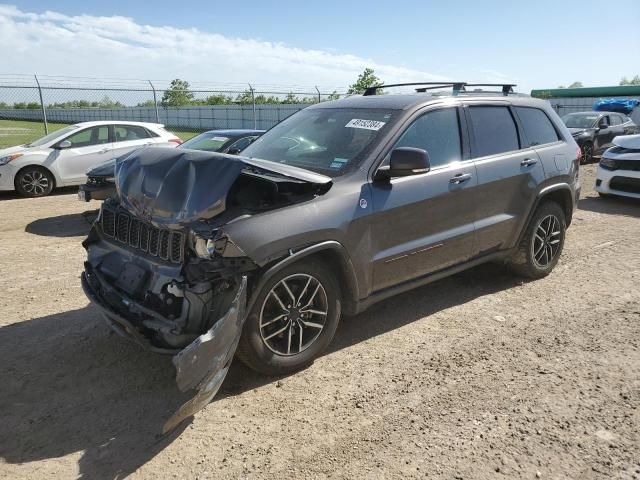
[(507, 88), (458, 87)]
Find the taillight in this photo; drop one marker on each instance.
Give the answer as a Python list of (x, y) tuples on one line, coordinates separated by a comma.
[(175, 140), (578, 154)]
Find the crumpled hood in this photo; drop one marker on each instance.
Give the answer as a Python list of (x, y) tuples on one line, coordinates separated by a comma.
[(173, 187)]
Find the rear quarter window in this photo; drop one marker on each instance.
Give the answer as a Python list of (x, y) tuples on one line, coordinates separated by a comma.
[(494, 130), (538, 129)]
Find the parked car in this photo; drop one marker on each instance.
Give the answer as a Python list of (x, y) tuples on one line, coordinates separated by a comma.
[(100, 182), (61, 158), (619, 169), (339, 206), (594, 131)]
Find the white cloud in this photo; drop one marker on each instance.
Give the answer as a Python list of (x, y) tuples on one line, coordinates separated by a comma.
[(92, 46)]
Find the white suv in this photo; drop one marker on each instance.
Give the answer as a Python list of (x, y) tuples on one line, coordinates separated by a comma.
[(62, 158)]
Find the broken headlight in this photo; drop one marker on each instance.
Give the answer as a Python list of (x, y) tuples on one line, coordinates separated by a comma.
[(204, 247)]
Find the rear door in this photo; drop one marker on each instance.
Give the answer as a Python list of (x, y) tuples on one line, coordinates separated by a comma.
[(89, 147), (129, 137), (424, 223), (509, 172)]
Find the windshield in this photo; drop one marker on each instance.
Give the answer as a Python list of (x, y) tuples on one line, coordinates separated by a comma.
[(208, 141), (580, 120), (329, 141), (53, 136)]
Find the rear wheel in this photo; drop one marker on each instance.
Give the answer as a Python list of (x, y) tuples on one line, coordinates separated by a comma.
[(293, 320), (542, 243), (587, 153), (34, 181)]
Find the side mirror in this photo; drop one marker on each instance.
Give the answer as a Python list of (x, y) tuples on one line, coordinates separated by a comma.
[(63, 144), (406, 161)]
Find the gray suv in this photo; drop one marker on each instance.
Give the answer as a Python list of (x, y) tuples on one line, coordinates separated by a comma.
[(345, 203)]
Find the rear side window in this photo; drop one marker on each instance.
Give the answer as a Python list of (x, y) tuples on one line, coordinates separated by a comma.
[(126, 133), (438, 133), (538, 129), (494, 130)]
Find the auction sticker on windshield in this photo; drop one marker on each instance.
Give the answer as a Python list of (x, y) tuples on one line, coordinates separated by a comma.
[(366, 124)]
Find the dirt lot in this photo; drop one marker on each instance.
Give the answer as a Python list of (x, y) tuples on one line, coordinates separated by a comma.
[(477, 376)]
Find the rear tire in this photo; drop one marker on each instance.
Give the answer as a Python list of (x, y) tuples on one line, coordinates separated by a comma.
[(278, 346), (34, 181), (542, 242)]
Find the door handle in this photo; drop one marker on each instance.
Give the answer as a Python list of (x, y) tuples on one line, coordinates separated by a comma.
[(527, 162), (459, 178)]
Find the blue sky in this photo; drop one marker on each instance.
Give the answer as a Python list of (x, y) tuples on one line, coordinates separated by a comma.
[(535, 44)]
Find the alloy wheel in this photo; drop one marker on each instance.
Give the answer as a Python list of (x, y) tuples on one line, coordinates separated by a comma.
[(546, 241), (293, 314), (34, 182), (587, 153)]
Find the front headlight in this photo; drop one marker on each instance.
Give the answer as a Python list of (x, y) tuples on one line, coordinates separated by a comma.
[(608, 164), (7, 158)]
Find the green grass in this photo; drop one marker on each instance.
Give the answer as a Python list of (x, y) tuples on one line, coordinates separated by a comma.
[(19, 132)]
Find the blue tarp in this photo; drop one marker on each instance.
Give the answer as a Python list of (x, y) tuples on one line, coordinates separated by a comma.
[(620, 105)]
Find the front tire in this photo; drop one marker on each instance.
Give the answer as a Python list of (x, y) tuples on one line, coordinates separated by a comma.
[(34, 181), (293, 320), (542, 242), (587, 153)]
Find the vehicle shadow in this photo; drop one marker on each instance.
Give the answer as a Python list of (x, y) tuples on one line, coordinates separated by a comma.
[(69, 385), (70, 225), (12, 195), (625, 206)]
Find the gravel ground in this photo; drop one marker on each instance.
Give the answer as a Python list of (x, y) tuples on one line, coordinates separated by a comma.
[(477, 376)]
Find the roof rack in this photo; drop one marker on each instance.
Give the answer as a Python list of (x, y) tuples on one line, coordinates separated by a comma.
[(458, 87)]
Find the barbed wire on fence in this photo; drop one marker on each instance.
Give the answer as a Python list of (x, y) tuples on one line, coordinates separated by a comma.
[(177, 103)]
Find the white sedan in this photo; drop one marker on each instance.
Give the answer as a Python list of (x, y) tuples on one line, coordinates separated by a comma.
[(619, 168), (63, 157)]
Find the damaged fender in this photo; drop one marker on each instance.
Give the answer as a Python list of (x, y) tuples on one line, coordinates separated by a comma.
[(204, 363)]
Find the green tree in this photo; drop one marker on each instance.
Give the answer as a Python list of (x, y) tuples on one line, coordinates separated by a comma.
[(244, 98), (106, 102), (146, 103), (334, 96), (365, 80), (634, 81), (218, 100), (177, 94), (576, 85), (291, 98)]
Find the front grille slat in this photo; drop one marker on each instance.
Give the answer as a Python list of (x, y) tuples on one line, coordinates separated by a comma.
[(157, 242)]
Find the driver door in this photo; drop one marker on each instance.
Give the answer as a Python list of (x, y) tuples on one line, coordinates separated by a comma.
[(89, 147), (424, 223)]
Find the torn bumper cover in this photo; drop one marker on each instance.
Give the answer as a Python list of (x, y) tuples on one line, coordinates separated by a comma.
[(201, 365)]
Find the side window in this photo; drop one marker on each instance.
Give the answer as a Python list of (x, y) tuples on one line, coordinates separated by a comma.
[(615, 120), (89, 136), (438, 133), (606, 120), (126, 133), (538, 129), (494, 130)]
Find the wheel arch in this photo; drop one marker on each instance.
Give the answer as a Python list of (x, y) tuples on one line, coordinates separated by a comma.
[(561, 194), (331, 253), (40, 167)]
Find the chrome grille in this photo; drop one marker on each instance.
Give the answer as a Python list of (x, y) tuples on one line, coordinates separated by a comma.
[(157, 242)]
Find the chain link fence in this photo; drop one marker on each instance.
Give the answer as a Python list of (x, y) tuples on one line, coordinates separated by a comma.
[(177, 104)]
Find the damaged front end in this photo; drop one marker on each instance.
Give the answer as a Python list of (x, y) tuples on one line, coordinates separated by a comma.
[(163, 270)]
